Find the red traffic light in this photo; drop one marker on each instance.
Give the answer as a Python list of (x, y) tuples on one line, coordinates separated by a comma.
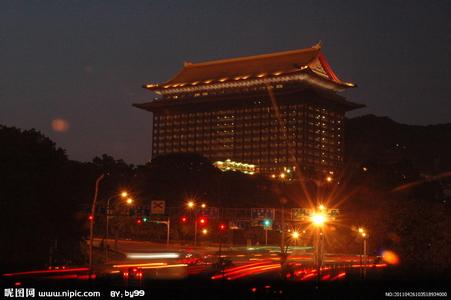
[(202, 221), (139, 221), (91, 218), (183, 219), (222, 227)]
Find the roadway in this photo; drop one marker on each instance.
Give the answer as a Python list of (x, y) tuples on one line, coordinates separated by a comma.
[(185, 269)]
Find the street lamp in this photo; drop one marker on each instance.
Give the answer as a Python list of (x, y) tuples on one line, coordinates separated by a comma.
[(364, 259), (91, 223), (295, 236), (129, 201), (191, 205), (319, 219)]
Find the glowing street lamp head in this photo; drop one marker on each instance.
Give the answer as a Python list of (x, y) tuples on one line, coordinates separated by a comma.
[(129, 201), (329, 179), (295, 235), (362, 232), (318, 219), (321, 207), (203, 205), (190, 204), (124, 194), (204, 231)]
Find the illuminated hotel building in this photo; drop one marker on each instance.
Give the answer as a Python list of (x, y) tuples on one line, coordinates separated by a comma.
[(275, 111)]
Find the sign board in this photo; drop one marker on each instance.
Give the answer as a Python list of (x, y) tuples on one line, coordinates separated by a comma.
[(236, 214), (299, 214), (157, 207), (262, 213), (235, 225), (210, 212), (334, 212)]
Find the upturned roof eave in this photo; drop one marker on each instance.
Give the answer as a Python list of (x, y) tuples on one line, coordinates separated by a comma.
[(340, 85)]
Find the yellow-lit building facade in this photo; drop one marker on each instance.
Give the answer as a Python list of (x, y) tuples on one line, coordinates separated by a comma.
[(275, 111)]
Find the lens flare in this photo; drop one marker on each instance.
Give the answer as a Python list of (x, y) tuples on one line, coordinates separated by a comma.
[(60, 125), (318, 219), (390, 257)]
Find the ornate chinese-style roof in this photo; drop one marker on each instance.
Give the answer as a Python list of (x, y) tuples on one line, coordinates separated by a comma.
[(310, 61)]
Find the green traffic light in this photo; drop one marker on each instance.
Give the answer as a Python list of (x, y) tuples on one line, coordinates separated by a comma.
[(145, 219), (266, 222)]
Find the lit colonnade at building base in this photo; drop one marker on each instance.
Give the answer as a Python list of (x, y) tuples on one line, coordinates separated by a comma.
[(273, 111)]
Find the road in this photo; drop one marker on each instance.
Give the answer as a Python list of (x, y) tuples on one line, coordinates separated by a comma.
[(178, 269), (157, 261)]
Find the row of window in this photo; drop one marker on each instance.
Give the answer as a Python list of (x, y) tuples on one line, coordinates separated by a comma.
[(313, 152), (290, 109), (254, 119)]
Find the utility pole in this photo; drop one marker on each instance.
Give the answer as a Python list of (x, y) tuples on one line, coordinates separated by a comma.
[(92, 219), (168, 224), (365, 257), (195, 229), (283, 250), (282, 228)]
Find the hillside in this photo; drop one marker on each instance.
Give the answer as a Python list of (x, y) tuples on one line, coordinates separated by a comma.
[(382, 140)]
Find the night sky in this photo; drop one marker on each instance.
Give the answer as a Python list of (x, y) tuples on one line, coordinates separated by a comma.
[(84, 62)]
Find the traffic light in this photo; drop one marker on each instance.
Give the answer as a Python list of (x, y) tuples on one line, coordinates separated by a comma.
[(222, 227), (139, 221), (184, 219), (91, 218), (267, 223), (145, 219), (203, 221)]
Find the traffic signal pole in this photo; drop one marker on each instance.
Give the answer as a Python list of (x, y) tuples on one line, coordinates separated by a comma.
[(195, 230), (168, 224)]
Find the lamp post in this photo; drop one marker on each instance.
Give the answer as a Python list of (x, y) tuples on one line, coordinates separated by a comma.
[(92, 219), (192, 206), (364, 260), (129, 201), (318, 219)]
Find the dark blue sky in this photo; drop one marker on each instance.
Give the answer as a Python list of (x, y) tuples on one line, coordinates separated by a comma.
[(85, 61)]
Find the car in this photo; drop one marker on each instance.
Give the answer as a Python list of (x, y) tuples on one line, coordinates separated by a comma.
[(190, 259), (132, 274)]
